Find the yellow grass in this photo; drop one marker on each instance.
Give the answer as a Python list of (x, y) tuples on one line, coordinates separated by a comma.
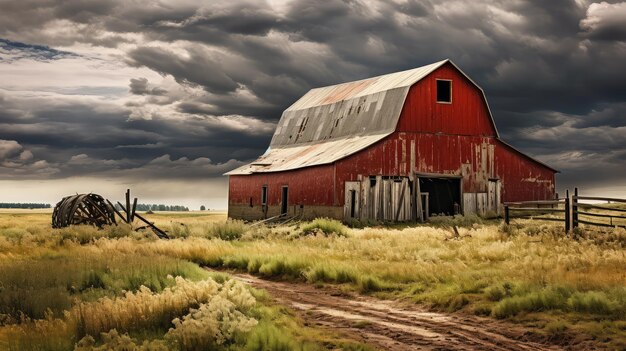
[(118, 289), (68, 285)]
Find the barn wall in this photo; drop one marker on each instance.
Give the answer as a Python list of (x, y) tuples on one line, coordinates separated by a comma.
[(469, 157), (476, 159), (466, 115), (522, 178), (313, 188)]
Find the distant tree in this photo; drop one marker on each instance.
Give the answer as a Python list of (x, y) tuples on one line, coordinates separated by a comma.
[(28, 205), (202, 208)]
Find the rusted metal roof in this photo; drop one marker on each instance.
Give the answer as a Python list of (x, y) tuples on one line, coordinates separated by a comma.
[(330, 123), (304, 155)]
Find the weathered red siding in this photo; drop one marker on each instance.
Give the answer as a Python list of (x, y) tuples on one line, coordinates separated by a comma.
[(476, 159), (466, 115), (523, 179), (310, 186)]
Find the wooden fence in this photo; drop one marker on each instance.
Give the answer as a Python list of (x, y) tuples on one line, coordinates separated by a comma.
[(570, 210)]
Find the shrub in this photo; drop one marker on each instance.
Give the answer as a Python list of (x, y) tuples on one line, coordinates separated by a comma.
[(328, 274), (179, 230), (592, 302), (542, 300), (282, 266), (211, 325), (119, 230), (370, 284), (496, 293), (228, 230), (324, 226), (266, 337), (115, 342)]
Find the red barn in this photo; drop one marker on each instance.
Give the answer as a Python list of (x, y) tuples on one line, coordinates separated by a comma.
[(397, 147)]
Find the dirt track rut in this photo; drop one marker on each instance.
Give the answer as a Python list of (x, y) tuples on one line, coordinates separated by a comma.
[(391, 325)]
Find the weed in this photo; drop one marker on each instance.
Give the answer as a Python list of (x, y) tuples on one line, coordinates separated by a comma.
[(228, 230), (267, 337), (325, 226)]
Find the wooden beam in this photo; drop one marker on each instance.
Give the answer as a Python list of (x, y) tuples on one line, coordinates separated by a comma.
[(160, 233), (116, 211), (127, 208)]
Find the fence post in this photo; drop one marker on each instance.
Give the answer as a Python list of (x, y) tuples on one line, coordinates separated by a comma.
[(506, 214), (567, 217), (575, 209)]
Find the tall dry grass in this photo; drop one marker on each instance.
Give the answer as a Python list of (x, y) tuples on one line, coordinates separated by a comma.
[(87, 289), (525, 271)]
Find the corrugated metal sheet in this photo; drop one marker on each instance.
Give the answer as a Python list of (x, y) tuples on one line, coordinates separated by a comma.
[(300, 156), (365, 107)]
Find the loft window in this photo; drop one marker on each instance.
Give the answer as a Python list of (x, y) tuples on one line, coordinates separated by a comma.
[(444, 91)]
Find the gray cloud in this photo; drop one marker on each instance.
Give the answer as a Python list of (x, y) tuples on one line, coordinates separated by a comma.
[(552, 72), (139, 86), (605, 21)]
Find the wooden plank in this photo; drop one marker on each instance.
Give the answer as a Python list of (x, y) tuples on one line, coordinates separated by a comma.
[(536, 209), (600, 215), (601, 224), (537, 218), (418, 200), (543, 202), (600, 207), (612, 199), (401, 200)]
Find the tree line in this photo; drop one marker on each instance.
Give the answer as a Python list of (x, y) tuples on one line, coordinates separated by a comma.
[(23, 205), (155, 207)]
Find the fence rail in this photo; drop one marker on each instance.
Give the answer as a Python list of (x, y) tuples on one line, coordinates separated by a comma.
[(571, 208)]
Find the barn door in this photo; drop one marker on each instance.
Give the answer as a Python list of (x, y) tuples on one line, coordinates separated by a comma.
[(352, 201), (493, 196)]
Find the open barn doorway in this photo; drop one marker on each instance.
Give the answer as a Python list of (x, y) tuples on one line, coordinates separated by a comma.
[(284, 198), (444, 195)]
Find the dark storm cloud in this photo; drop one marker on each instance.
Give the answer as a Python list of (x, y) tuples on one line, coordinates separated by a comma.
[(13, 50), (552, 71), (198, 68), (75, 136)]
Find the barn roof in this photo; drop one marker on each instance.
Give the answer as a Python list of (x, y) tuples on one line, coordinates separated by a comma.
[(330, 123)]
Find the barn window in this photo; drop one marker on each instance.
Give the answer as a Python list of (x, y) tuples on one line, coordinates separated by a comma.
[(444, 91)]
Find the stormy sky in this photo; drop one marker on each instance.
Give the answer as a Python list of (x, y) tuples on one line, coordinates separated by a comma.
[(165, 96)]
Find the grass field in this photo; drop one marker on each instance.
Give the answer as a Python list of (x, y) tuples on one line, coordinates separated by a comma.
[(94, 290)]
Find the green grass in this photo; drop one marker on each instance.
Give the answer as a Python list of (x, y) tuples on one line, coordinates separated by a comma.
[(114, 289), (325, 226), (525, 272)]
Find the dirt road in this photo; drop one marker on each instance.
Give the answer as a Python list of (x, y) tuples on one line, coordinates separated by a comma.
[(391, 325)]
